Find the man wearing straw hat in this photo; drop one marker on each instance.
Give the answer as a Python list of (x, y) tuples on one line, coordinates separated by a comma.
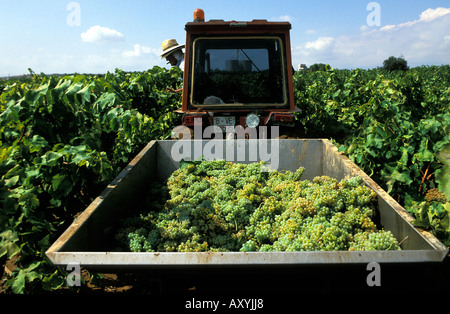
[(173, 53)]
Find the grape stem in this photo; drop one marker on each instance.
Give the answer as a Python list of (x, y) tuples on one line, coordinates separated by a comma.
[(23, 132), (424, 176), (400, 243)]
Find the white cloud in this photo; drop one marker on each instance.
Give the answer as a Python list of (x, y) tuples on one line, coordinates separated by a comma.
[(432, 14), (99, 33), (426, 16), (285, 18), (364, 28), (140, 58), (424, 41), (139, 51), (321, 44), (311, 31), (131, 58)]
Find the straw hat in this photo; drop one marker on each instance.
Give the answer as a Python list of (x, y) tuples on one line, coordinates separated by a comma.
[(169, 46)]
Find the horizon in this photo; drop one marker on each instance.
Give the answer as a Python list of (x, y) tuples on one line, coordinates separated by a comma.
[(19, 76)]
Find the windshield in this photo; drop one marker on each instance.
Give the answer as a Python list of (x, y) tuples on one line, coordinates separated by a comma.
[(244, 71)]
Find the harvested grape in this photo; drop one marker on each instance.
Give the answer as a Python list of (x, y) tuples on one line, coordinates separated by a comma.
[(224, 206)]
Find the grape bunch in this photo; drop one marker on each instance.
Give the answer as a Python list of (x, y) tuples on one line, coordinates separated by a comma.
[(434, 195), (223, 206), (374, 241)]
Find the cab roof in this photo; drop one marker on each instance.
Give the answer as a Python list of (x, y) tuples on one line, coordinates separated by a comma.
[(237, 26)]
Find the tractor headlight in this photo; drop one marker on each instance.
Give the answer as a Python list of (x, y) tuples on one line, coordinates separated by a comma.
[(252, 120)]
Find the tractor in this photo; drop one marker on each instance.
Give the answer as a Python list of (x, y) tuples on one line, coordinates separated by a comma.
[(237, 74)]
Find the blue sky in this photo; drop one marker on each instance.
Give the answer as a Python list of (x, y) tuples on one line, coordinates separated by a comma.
[(95, 36)]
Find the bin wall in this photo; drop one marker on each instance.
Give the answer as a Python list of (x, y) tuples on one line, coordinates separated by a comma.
[(88, 239)]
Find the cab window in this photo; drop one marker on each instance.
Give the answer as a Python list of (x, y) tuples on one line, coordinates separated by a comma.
[(241, 71)]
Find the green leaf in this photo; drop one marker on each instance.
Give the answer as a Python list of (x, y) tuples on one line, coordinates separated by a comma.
[(85, 94), (44, 243), (74, 88), (404, 158), (11, 182), (9, 249), (25, 275), (37, 143), (17, 284), (401, 177), (443, 174), (374, 140), (8, 244), (29, 199), (53, 282), (51, 158), (106, 100), (56, 180), (61, 87), (425, 155), (445, 222)]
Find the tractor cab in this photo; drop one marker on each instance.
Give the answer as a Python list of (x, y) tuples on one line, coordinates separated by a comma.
[(237, 73)]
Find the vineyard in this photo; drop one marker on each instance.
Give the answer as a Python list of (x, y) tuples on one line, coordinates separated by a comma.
[(64, 138)]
